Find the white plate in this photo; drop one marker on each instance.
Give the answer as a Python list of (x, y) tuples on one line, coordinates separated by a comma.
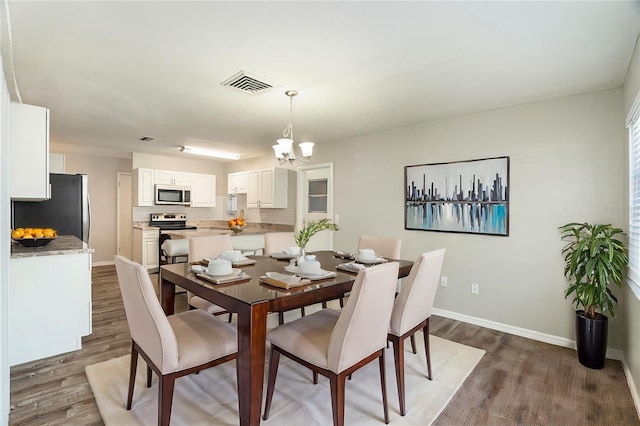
[(371, 261), (284, 256), (323, 273), (233, 273)]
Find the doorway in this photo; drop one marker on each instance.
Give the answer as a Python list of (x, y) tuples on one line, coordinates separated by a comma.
[(124, 216), (315, 201)]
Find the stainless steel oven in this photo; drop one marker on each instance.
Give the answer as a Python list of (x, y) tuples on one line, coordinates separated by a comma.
[(172, 195)]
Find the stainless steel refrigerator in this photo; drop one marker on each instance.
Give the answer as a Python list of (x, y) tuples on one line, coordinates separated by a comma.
[(68, 210)]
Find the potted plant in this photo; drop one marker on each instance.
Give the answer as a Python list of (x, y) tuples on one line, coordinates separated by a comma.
[(594, 258), (313, 227)]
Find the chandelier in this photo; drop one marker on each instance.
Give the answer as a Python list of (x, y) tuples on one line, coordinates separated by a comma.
[(284, 148)]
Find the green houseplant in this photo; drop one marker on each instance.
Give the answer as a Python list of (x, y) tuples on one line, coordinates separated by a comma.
[(594, 258), (313, 227)]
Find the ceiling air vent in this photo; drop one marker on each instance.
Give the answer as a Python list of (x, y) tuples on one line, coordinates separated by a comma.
[(146, 138), (247, 83)]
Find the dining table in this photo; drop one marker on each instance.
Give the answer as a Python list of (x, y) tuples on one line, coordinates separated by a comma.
[(252, 300)]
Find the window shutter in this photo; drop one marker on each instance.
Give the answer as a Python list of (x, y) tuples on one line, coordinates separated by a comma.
[(634, 201)]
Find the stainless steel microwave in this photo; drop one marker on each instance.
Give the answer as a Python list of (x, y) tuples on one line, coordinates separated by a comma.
[(172, 195)]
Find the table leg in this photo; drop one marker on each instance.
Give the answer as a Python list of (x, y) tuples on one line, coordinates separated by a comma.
[(167, 296), (252, 333)]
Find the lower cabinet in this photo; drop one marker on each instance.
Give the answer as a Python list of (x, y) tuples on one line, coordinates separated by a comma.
[(50, 305), (146, 249)]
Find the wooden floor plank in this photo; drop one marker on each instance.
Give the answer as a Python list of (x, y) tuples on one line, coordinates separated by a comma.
[(518, 382)]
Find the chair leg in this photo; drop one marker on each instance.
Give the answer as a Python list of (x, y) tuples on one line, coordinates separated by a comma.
[(148, 376), (324, 305), (383, 383), (280, 317), (413, 343), (398, 355), (165, 398), (274, 360), (132, 374), (427, 349), (337, 398), (230, 316), (342, 302), (315, 377), (302, 311)]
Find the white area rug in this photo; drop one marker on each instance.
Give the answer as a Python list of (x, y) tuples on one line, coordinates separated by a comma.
[(210, 398)]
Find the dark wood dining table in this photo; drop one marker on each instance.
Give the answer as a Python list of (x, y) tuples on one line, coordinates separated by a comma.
[(252, 300)]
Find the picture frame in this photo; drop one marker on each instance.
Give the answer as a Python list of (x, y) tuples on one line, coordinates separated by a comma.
[(470, 196)]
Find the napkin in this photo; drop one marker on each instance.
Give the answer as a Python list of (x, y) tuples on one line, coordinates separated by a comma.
[(351, 266), (277, 279)]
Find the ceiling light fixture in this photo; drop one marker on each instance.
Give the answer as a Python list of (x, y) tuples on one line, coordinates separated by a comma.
[(284, 148), (209, 152)]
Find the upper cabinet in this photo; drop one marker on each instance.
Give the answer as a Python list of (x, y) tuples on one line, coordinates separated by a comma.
[(203, 190), (203, 187), (167, 177), (267, 188), (143, 191), (29, 152), (237, 183)]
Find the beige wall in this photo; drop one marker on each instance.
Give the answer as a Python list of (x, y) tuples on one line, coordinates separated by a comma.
[(631, 341), (566, 165), (102, 176)]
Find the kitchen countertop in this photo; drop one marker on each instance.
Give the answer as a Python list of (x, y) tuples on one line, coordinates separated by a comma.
[(63, 244)]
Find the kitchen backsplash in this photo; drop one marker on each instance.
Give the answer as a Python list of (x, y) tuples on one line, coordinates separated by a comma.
[(278, 216)]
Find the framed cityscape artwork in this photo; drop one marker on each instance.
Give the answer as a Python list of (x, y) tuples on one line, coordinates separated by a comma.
[(464, 196)]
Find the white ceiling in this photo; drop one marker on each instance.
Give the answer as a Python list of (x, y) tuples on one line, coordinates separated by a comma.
[(111, 72)]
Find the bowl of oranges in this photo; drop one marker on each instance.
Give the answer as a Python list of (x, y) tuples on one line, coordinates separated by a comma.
[(33, 237), (237, 224)]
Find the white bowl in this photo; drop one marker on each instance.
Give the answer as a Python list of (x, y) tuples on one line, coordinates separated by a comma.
[(219, 267), (309, 265), (366, 254), (294, 251)]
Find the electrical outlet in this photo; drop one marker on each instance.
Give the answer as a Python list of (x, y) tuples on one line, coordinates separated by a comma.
[(475, 288), (443, 281)]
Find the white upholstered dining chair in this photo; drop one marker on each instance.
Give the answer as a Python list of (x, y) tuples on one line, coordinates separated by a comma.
[(335, 344), (172, 346), (210, 246), (411, 313), (275, 242), (383, 246)]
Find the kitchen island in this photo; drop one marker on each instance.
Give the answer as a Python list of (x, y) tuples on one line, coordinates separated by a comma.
[(49, 298)]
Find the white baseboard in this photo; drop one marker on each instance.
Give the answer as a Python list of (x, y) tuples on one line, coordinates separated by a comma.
[(616, 354), (632, 386), (103, 263)]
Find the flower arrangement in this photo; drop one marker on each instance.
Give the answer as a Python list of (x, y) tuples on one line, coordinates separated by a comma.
[(302, 236)]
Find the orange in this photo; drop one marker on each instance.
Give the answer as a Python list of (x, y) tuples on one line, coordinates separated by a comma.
[(48, 232), (18, 233)]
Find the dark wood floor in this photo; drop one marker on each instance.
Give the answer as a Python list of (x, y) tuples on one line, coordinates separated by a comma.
[(518, 381)]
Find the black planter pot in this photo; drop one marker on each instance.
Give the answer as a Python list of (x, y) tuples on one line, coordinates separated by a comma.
[(591, 340)]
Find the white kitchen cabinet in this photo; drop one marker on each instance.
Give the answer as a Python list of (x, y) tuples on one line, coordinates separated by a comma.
[(50, 305), (267, 188), (146, 249), (143, 190), (203, 190), (170, 177), (237, 183), (29, 152)]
